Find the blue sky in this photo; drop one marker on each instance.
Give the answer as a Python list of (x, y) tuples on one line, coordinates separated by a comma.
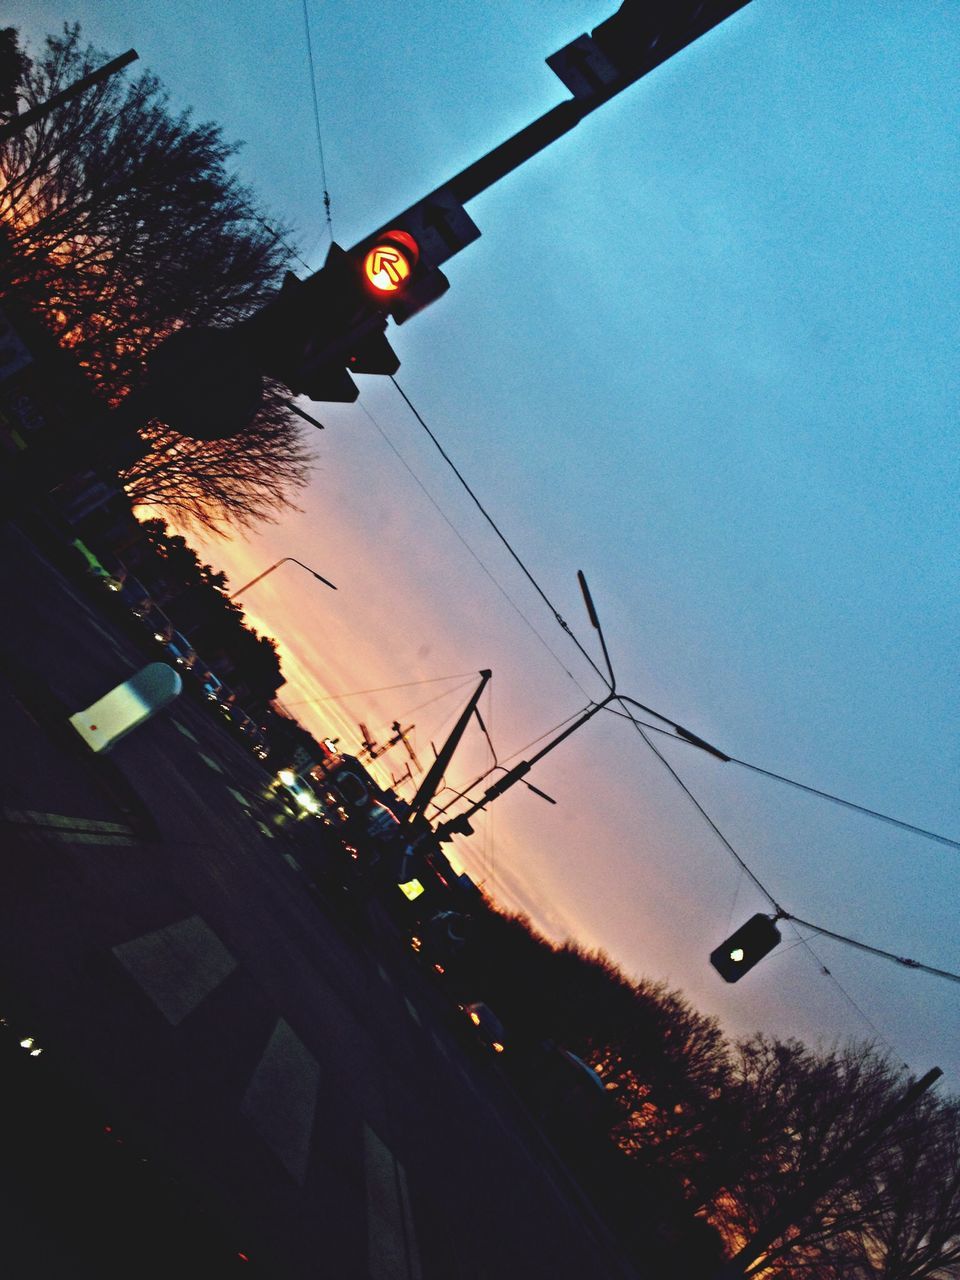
[(705, 351)]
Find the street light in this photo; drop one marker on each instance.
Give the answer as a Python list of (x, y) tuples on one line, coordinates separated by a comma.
[(461, 823), (253, 581)]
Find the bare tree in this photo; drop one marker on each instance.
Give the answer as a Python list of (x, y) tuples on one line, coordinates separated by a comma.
[(211, 483), (793, 1114), (123, 223)]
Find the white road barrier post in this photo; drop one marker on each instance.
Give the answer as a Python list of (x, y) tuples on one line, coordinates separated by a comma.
[(113, 716)]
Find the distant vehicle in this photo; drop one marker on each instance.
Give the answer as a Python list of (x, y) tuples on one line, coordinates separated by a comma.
[(487, 1026), (94, 568), (569, 1094), (299, 791), (442, 938), (363, 816), (251, 734), (158, 624), (135, 596), (179, 648), (209, 684), (248, 731)]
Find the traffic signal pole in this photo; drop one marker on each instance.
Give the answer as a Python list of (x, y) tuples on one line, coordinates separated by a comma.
[(600, 68), (316, 333)]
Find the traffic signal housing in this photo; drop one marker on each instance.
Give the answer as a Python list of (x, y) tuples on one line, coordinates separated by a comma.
[(743, 949), (320, 331)]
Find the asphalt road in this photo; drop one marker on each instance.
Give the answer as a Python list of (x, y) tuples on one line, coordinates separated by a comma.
[(237, 1074)]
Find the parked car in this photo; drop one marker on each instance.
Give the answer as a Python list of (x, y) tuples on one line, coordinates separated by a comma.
[(93, 567), (157, 624), (179, 648), (441, 938), (251, 735), (207, 683), (135, 596)]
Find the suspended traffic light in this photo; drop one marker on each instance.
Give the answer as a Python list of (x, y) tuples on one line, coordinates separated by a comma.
[(743, 949)]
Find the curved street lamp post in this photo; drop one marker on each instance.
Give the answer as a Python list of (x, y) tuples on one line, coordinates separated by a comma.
[(253, 581)]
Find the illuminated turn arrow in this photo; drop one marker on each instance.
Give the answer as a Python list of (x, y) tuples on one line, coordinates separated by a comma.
[(387, 265)]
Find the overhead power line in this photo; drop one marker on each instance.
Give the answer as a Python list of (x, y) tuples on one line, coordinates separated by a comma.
[(385, 688), (803, 786), (876, 951), (316, 119), (779, 911), (826, 795)]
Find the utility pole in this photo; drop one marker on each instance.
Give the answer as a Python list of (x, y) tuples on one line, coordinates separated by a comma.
[(460, 824)]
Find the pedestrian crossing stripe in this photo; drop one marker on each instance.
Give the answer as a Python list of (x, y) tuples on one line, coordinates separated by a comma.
[(177, 966), (71, 828)]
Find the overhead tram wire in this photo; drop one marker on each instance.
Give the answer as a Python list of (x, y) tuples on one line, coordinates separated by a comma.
[(460, 538), (558, 618), (316, 118), (386, 688), (780, 912), (803, 786), (826, 795)]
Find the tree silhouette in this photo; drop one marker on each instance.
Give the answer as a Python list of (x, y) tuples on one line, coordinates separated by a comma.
[(793, 1114), (123, 223), (193, 593)]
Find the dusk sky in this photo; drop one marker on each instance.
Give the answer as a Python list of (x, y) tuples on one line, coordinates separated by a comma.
[(705, 350)]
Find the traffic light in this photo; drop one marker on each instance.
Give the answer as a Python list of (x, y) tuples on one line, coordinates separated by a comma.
[(459, 825), (318, 332), (644, 33), (743, 949)]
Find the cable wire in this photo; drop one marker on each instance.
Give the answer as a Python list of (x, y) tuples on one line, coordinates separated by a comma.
[(386, 688), (848, 804), (780, 913), (316, 118), (493, 525), (801, 786), (459, 536), (876, 951)]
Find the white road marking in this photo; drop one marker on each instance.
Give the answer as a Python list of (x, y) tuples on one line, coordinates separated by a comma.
[(392, 1252), (239, 797), (185, 731), (207, 760), (281, 1099), (412, 1011), (288, 857), (177, 966), (73, 830)]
